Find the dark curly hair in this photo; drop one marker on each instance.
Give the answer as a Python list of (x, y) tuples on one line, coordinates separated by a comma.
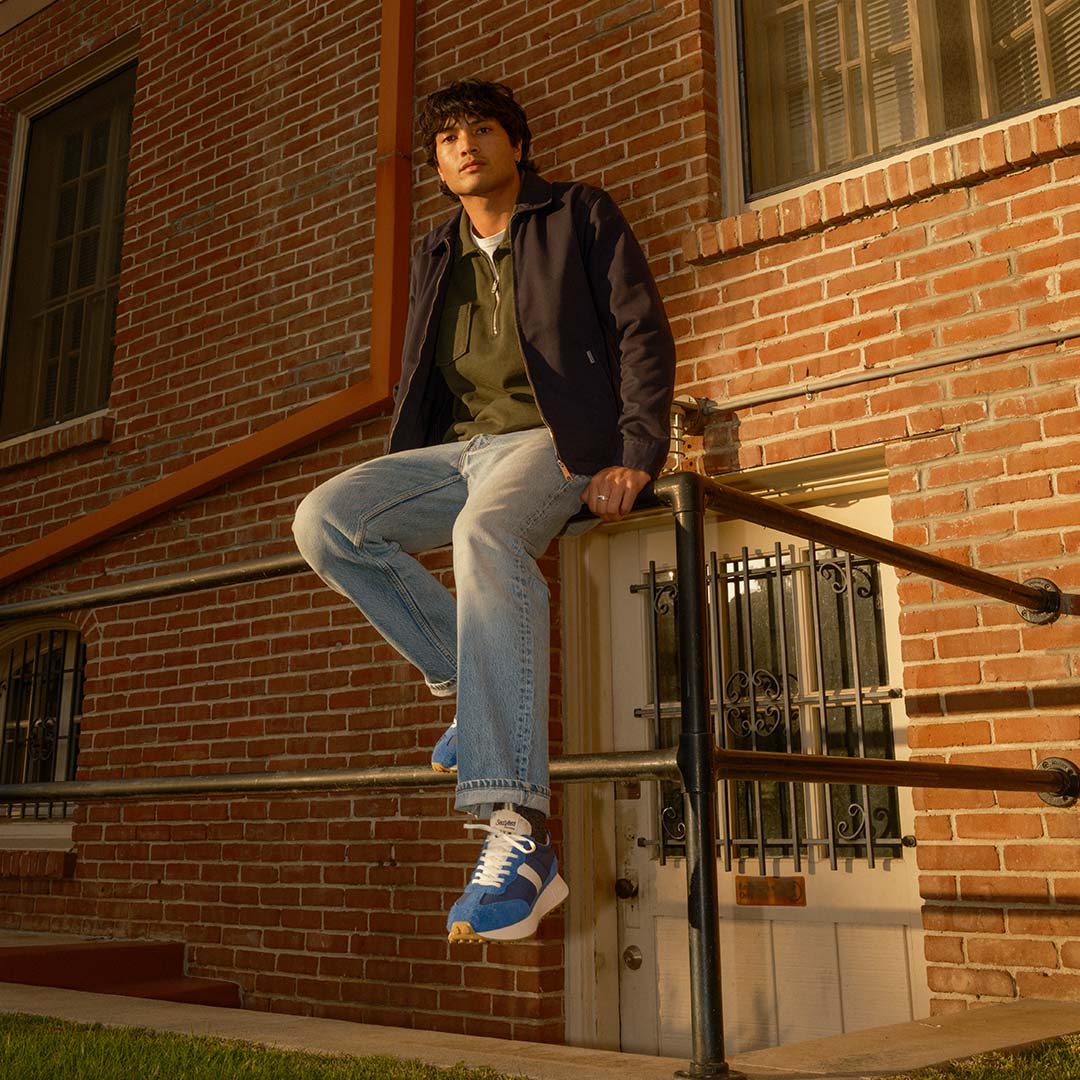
[(478, 99)]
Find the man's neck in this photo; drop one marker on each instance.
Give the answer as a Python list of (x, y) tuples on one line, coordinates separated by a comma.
[(490, 214)]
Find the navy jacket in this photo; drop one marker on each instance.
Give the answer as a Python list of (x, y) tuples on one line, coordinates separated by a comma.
[(597, 345)]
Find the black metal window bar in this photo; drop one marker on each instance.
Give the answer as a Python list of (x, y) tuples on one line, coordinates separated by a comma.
[(41, 687), (698, 762), (797, 662)]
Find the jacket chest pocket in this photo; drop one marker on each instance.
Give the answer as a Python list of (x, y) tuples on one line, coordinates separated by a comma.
[(449, 352)]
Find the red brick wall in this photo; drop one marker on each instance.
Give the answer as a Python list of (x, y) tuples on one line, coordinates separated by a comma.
[(245, 294), (958, 248)]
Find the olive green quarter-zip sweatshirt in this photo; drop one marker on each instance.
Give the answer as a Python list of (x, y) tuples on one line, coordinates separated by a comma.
[(478, 353)]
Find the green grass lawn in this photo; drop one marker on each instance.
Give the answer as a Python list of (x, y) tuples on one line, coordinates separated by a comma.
[(40, 1048), (1056, 1060)]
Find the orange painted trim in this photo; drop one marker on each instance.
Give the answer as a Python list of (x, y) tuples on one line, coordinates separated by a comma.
[(389, 301), (393, 189)]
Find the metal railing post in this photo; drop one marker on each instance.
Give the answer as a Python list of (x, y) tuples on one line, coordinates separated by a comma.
[(684, 493)]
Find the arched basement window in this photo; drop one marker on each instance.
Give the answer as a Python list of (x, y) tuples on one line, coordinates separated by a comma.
[(41, 688)]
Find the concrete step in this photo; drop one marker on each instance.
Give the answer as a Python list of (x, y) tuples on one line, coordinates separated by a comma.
[(184, 988), (148, 969)]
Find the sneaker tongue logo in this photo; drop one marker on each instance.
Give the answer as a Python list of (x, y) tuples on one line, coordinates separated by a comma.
[(507, 822)]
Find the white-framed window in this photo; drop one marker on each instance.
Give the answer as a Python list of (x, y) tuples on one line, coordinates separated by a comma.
[(60, 274), (825, 84), (41, 691)]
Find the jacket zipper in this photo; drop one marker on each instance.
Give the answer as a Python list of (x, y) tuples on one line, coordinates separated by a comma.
[(495, 292)]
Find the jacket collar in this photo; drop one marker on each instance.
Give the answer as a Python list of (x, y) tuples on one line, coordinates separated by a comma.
[(535, 194)]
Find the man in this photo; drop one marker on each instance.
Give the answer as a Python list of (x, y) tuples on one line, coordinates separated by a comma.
[(536, 376)]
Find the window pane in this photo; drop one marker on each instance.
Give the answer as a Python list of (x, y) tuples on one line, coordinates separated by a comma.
[(1064, 26), (72, 156), (1007, 15), (61, 266), (959, 84), (816, 70), (93, 201), (887, 22), (1016, 75), (65, 213)]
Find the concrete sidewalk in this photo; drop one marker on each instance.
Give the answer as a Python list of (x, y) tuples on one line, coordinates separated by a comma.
[(878, 1052)]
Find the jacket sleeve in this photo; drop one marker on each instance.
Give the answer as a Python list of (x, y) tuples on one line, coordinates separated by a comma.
[(632, 312)]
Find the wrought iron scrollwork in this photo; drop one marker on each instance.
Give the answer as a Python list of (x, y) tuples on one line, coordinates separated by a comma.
[(42, 739), (672, 818), (835, 573), (768, 701), (855, 827), (667, 597)]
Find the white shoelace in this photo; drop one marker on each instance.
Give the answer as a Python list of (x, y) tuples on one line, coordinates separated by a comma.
[(497, 854)]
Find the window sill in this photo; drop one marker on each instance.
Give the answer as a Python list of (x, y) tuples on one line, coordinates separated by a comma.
[(35, 836), (992, 152), (37, 445)]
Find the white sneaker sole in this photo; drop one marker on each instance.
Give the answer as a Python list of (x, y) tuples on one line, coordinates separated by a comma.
[(552, 896)]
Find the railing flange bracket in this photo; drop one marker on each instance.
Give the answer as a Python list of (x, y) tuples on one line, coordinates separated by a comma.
[(1070, 796), (1042, 618), (709, 1072)]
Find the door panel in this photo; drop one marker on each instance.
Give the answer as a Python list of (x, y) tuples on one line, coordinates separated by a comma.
[(851, 958), (810, 974)]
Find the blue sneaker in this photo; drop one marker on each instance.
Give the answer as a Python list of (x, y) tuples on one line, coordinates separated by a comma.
[(444, 756), (515, 884)]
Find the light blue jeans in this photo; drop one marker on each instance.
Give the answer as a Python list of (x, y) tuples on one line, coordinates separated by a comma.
[(500, 500)]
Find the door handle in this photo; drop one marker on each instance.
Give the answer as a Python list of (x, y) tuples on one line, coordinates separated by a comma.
[(625, 889)]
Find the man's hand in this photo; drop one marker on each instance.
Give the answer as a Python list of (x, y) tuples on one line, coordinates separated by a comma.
[(611, 492)]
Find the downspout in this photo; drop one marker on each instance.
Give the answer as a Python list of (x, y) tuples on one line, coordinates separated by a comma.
[(371, 396)]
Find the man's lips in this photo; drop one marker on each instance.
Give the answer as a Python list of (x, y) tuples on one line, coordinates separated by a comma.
[(471, 166)]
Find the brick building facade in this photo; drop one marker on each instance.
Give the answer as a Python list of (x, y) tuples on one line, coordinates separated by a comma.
[(245, 295)]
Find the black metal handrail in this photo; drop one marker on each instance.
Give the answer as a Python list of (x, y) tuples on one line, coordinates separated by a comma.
[(1039, 600), (697, 760), (702, 763)]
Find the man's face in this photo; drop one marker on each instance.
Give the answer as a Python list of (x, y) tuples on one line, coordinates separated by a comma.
[(475, 157)]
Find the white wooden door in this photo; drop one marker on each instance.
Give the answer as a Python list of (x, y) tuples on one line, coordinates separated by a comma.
[(836, 945)]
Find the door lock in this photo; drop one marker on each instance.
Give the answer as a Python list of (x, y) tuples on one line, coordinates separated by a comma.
[(632, 957)]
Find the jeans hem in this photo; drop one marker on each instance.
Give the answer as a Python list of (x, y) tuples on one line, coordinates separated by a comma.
[(481, 797)]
